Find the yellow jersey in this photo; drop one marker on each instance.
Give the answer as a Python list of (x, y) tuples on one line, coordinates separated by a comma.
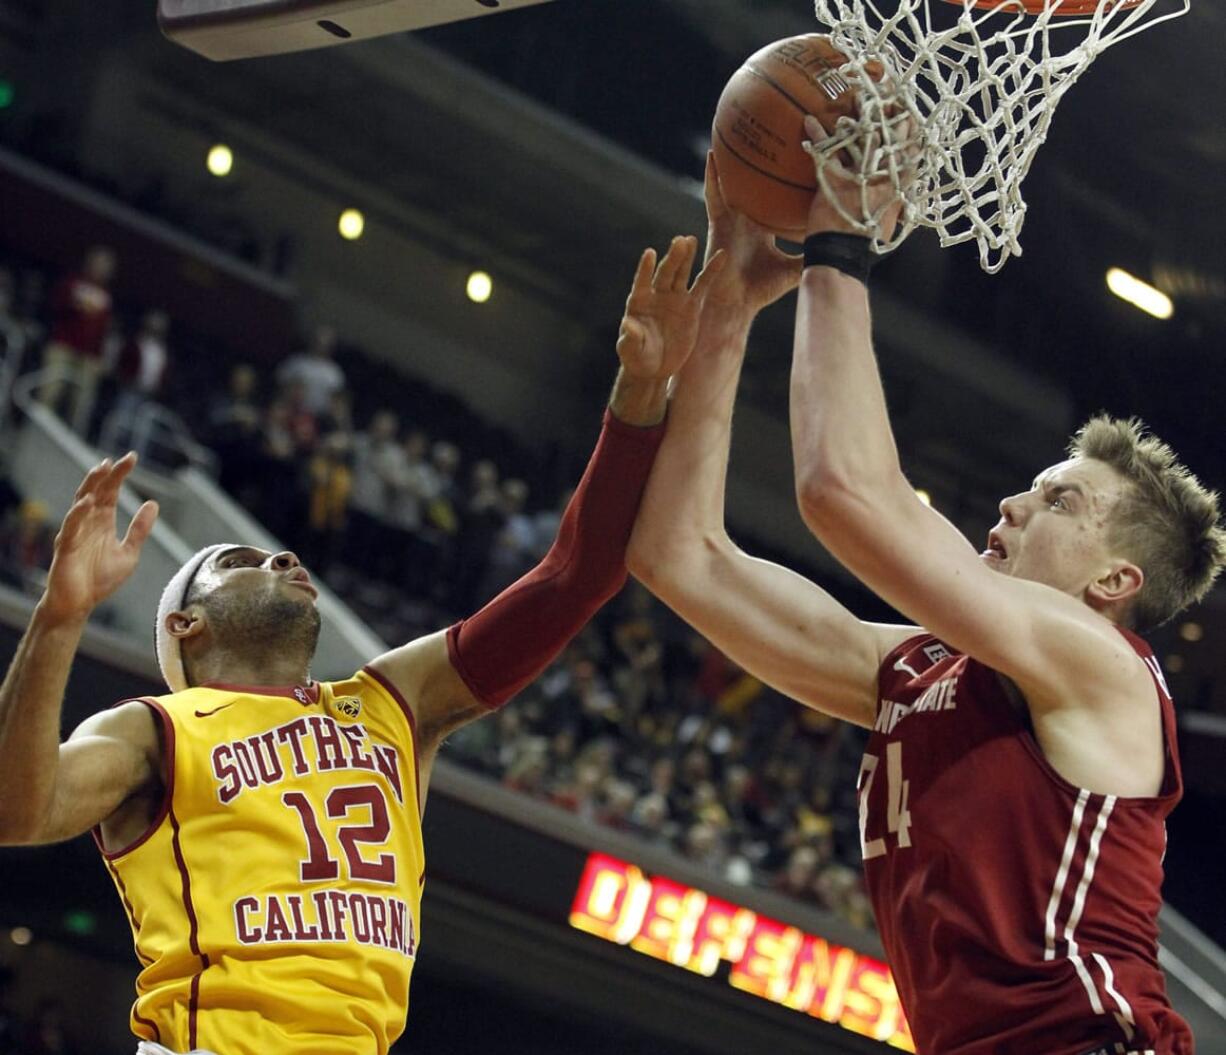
[(275, 898)]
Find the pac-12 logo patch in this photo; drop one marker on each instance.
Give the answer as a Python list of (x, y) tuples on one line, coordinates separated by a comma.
[(349, 706)]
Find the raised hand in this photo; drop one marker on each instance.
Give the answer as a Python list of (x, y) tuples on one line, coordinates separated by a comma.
[(758, 273), (660, 325), (90, 561)]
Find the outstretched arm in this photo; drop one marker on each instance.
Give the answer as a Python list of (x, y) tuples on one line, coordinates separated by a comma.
[(854, 497), (773, 622), (49, 790), (481, 662)]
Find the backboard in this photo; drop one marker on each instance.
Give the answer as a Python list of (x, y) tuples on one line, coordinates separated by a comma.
[(240, 29)]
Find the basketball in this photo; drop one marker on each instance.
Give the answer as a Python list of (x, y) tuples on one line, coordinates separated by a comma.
[(764, 171)]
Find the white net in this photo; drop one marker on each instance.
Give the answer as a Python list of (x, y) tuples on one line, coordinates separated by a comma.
[(965, 103)]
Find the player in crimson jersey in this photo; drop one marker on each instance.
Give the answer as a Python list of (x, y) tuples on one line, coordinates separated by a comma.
[(315, 791), (1022, 757)]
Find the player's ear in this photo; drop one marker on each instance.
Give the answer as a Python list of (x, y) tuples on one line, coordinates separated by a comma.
[(1116, 586), (183, 625)]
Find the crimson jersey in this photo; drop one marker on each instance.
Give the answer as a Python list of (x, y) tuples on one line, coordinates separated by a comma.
[(1019, 912)]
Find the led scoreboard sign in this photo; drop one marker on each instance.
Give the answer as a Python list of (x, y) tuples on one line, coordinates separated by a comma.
[(684, 926)]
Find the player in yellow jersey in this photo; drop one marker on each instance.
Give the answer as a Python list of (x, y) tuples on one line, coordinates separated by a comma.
[(263, 830)]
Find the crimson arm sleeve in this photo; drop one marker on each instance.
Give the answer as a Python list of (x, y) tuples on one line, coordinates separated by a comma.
[(503, 648)]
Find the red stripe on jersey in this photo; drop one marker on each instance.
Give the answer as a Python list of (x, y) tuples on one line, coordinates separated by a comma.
[(193, 934), (157, 1033)]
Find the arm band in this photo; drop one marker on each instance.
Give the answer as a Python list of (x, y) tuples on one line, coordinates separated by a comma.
[(850, 253), (507, 644)]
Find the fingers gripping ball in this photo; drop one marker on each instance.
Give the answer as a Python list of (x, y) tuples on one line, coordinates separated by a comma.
[(764, 171)]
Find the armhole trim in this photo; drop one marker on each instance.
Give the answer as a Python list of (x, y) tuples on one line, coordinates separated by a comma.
[(168, 783), (382, 681), (902, 646)]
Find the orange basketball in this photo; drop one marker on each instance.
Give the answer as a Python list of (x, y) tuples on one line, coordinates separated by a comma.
[(759, 126)]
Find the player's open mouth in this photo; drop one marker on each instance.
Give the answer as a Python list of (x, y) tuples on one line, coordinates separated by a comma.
[(996, 548), (300, 577)]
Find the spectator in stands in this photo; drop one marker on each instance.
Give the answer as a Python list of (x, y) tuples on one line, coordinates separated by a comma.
[(799, 878), (640, 678), (289, 436), (378, 466), (650, 818), (514, 544), (528, 771), (579, 792), (617, 801), (545, 523), (480, 523), (704, 845), (416, 486), (331, 480), (235, 432), (140, 371), (26, 539), (80, 319), (316, 370), (444, 507)]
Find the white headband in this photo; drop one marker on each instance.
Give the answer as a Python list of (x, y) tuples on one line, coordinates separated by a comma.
[(169, 654)]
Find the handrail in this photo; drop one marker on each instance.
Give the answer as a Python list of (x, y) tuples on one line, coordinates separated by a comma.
[(27, 384), (152, 420)]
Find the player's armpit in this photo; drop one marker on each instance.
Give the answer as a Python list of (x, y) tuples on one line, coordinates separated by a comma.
[(109, 758), (777, 625), (1053, 645), (424, 675)]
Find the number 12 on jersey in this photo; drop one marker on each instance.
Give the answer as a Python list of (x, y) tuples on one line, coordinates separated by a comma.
[(897, 816)]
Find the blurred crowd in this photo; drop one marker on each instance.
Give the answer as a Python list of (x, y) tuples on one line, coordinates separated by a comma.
[(643, 726), (416, 512)]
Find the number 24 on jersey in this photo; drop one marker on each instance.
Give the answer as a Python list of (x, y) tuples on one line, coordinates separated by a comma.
[(897, 816)]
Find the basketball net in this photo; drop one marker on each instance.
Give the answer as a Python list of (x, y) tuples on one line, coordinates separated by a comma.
[(961, 111)]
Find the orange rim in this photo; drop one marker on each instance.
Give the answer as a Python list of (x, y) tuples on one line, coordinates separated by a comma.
[(1066, 8)]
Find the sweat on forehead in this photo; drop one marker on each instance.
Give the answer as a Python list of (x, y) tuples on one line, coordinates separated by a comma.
[(213, 561)]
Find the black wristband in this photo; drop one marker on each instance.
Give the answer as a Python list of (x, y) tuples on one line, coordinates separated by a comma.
[(850, 253)]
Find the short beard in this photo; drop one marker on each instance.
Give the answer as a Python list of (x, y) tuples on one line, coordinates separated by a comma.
[(248, 629)]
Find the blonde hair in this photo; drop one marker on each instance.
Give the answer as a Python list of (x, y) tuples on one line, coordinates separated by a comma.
[(1167, 523)]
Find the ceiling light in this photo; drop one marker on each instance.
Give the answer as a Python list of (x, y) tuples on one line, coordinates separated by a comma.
[(1139, 294), (220, 160), (351, 224), (1191, 631), (923, 496), (480, 287)]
